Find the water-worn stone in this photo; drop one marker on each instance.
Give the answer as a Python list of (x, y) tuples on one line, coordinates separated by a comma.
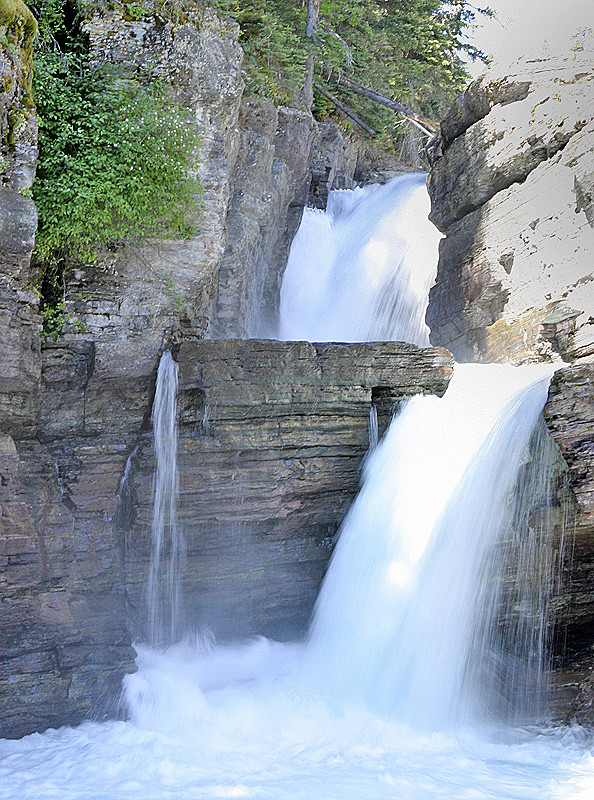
[(511, 187)]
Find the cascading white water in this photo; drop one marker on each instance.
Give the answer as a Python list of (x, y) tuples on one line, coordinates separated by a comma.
[(361, 271), (409, 613), (167, 543)]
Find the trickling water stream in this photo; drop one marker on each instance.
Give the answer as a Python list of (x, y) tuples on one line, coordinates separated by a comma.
[(167, 543), (427, 649)]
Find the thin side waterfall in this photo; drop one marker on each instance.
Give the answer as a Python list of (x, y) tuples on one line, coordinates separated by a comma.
[(167, 542), (435, 606), (361, 270)]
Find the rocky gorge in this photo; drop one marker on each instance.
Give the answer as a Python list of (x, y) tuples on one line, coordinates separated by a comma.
[(272, 434)]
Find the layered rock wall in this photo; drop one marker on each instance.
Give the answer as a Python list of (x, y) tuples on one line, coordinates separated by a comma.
[(271, 439), (569, 414)]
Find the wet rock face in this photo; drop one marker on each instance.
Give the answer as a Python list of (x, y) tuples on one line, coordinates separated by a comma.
[(63, 614), (569, 414), (334, 161), (272, 435), (512, 188)]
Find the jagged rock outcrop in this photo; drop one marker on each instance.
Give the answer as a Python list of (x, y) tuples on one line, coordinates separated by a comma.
[(254, 168), (271, 180), (20, 358), (512, 187), (271, 439), (333, 163)]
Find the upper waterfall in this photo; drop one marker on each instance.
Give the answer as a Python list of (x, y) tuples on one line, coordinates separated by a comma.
[(361, 270)]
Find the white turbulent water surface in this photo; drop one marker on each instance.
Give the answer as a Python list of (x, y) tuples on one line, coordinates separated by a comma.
[(241, 723), (361, 270)]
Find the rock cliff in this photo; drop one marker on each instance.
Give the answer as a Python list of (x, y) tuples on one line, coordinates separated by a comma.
[(271, 438), (20, 357), (512, 188), (569, 414)]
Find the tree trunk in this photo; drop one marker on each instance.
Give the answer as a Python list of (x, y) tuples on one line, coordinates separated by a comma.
[(346, 110), (311, 28), (428, 126)]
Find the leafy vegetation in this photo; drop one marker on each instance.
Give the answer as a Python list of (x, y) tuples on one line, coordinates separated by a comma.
[(113, 153), (114, 156)]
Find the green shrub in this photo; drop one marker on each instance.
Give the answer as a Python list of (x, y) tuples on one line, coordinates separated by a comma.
[(115, 154)]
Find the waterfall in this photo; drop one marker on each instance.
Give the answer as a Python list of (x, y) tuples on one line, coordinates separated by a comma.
[(417, 615), (361, 270), (433, 616), (167, 543)]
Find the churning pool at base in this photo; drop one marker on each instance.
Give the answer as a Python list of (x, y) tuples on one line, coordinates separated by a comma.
[(243, 722)]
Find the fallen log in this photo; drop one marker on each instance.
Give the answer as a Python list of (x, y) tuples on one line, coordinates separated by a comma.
[(345, 110), (428, 126)]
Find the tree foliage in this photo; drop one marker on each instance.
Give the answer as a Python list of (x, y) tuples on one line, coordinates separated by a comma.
[(410, 50)]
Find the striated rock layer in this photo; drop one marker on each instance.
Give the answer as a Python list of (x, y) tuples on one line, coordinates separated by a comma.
[(569, 414), (511, 185), (272, 435)]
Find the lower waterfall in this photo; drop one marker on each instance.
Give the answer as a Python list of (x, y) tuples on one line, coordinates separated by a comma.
[(411, 617)]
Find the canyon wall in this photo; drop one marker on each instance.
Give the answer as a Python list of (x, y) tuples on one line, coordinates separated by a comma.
[(512, 182), (272, 434)]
